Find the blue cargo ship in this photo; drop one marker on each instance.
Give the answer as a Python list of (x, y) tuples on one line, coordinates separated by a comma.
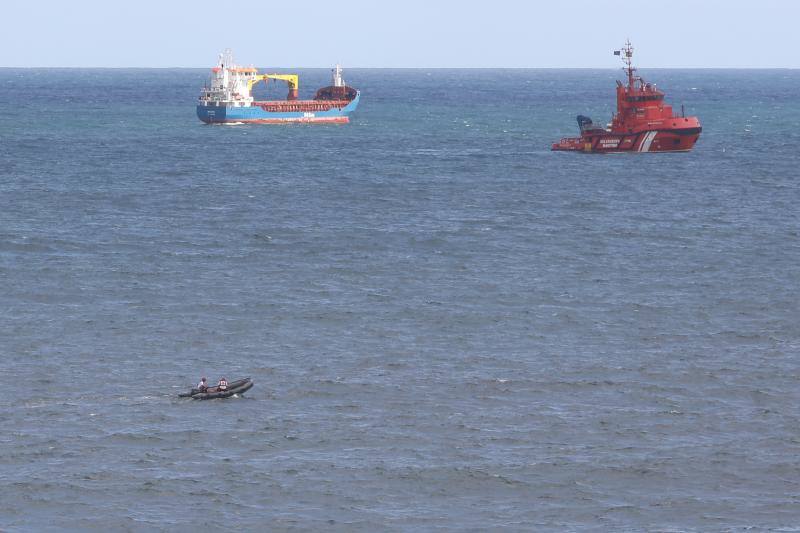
[(228, 98)]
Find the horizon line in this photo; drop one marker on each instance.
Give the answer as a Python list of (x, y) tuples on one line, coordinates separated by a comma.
[(74, 67)]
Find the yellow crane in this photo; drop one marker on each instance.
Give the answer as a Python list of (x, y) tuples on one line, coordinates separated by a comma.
[(292, 80)]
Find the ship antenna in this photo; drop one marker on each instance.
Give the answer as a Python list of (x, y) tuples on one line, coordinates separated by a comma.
[(627, 58)]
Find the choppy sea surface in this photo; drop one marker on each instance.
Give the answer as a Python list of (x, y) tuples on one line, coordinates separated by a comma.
[(449, 326)]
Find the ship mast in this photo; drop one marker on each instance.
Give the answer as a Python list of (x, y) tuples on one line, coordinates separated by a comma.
[(627, 58), (336, 77)]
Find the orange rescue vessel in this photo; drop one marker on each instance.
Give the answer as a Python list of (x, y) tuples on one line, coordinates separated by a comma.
[(642, 123)]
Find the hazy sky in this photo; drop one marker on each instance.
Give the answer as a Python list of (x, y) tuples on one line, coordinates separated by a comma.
[(400, 33)]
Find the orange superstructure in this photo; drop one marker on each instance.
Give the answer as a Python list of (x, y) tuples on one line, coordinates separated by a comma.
[(643, 121)]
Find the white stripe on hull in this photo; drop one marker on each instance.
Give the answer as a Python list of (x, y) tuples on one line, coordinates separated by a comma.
[(647, 141)]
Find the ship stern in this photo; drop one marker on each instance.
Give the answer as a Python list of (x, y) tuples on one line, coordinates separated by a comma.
[(211, 114)]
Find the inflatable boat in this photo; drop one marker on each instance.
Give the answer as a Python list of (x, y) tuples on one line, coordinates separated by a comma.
[(239, 386)]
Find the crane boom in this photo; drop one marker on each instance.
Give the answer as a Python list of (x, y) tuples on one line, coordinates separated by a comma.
[(292, 80)]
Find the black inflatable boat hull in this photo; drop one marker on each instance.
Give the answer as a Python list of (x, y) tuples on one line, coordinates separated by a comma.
[(225, 394)]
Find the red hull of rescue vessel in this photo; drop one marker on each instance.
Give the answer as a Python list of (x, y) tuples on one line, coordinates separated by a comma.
[(642, 123)]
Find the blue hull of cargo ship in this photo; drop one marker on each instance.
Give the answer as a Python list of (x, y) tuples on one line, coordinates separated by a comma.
[(255, 114)]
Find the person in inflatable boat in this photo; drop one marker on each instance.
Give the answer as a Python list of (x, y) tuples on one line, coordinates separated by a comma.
[(203, 385), (222, 385)]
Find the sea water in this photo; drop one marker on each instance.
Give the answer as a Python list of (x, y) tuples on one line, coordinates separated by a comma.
[(449, 326)]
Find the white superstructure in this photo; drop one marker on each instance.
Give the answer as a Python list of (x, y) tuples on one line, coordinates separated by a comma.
[(230, 83)]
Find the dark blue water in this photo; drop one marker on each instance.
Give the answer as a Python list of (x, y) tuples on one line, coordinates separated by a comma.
[(449, 326)]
